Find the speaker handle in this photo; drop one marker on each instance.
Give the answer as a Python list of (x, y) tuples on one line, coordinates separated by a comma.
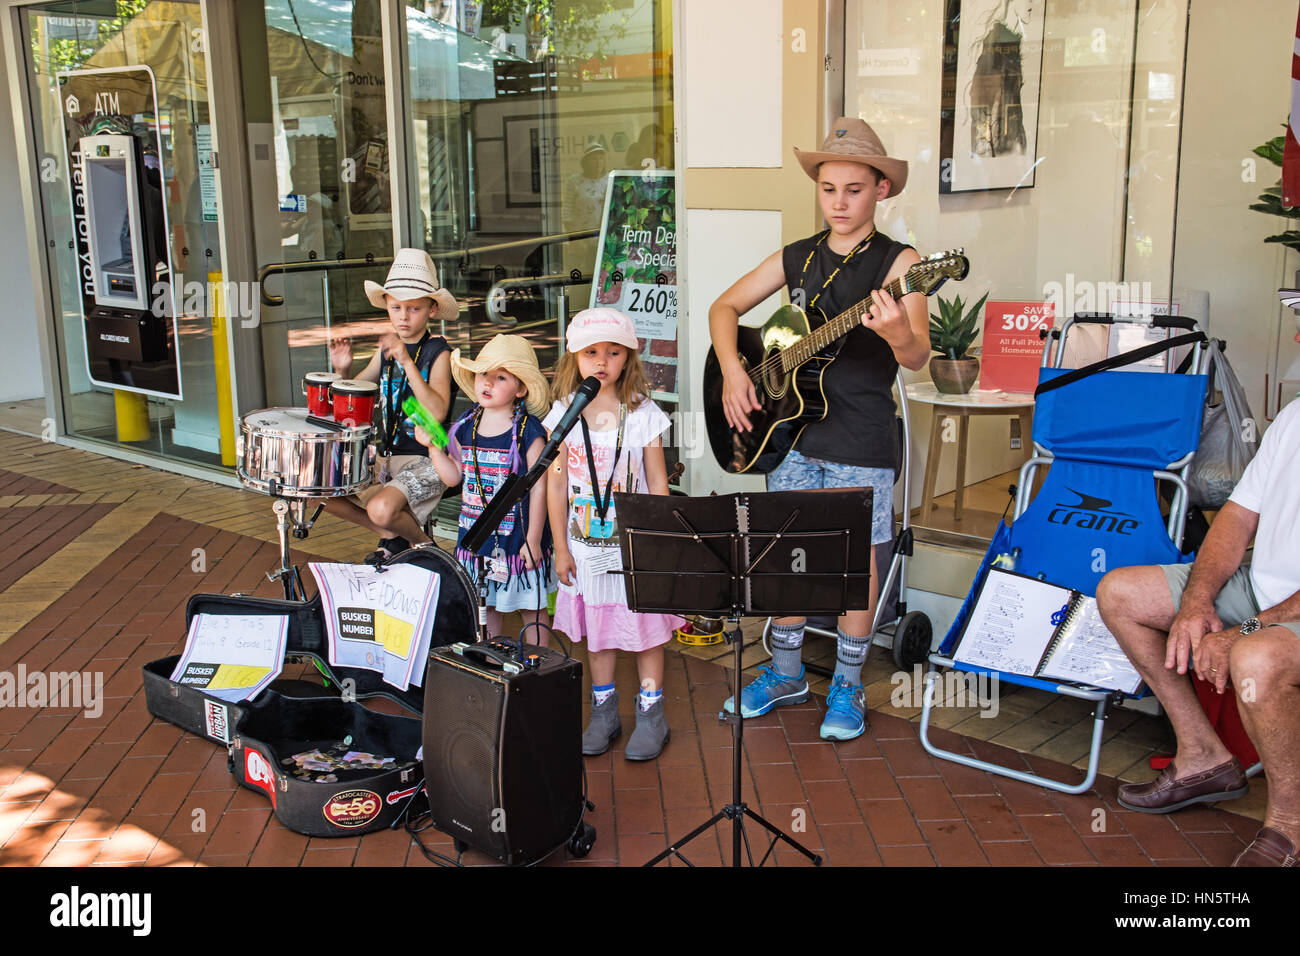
[(488, 654)]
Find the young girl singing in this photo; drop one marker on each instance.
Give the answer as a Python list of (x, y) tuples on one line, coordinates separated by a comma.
[(499, 436), (615, 447)]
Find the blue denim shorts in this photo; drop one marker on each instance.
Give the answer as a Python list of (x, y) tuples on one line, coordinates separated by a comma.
[(798, 473)]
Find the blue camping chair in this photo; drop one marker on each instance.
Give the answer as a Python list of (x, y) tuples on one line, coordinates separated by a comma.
[(1104, 435)]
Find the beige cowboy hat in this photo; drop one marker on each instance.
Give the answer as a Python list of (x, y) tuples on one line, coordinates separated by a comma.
[(413, 276), (853, 141), (516, 356)]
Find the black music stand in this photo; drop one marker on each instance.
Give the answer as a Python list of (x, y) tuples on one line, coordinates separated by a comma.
[(770, 554)]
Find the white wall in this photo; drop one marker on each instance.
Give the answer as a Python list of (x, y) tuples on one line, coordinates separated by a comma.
[(20, 359), (1238, 96), (732, 83), (728, 114)]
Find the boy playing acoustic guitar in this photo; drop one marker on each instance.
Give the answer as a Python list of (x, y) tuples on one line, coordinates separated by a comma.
[(855, 444)]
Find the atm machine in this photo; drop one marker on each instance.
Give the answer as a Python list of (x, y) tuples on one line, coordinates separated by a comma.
[(128, 313)]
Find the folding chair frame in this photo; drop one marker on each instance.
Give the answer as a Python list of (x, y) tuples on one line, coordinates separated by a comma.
[(1100, 697)]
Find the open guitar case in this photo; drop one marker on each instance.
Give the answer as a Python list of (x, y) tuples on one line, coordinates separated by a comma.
[(295, 716)]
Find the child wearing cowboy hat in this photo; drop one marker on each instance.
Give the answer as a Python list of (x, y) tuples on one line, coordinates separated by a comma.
[(409, 361), (501, 435), (855, 444)]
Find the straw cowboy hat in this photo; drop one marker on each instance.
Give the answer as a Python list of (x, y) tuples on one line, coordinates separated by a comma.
[(853, 141), (412, 276), (516, 356)]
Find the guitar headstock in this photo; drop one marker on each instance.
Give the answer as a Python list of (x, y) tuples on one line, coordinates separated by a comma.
[(934, 270)]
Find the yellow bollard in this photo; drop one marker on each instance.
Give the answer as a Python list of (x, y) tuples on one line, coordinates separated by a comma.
[(132, 411), (221, 370)]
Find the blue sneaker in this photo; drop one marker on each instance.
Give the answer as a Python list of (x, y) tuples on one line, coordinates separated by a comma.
[(846, 710), (769, 689)]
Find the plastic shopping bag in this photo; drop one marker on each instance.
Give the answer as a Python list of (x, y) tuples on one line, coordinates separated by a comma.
[(1229, 439)]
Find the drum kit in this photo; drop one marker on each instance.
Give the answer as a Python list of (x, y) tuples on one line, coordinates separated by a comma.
[(302, 455)]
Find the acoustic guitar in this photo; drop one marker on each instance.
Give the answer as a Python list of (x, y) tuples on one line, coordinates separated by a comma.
[(786, 359)]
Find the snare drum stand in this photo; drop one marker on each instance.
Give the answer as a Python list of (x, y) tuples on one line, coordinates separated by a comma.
[(287, 572)]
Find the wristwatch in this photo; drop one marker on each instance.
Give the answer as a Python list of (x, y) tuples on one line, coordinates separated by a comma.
[(1250, 625)]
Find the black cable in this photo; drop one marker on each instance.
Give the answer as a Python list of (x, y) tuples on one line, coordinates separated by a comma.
[(306, 49)]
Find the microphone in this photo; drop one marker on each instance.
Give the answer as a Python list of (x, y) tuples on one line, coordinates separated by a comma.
[(581, 399)]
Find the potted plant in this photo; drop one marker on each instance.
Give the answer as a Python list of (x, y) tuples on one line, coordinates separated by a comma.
[(952, 332), (1270, 200)]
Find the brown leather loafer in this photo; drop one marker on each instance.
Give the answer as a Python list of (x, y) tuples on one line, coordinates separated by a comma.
[(1167, 793), (1270, 848)]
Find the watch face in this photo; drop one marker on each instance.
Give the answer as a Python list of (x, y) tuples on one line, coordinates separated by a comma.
[(1250, 626)]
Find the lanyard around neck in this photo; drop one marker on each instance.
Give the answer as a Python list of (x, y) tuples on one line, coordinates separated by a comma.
[(851, 253), (516, 437), (397, 394), (602, 502)]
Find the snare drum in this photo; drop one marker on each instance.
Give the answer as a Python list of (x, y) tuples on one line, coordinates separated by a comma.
[(316, 386), (282, 454), (354, 401)]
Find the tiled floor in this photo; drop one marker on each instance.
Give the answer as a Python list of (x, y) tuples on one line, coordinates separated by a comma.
[(97, 560)]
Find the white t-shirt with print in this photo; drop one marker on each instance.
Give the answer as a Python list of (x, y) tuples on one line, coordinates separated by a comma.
[(1269, 487), (593, 541)]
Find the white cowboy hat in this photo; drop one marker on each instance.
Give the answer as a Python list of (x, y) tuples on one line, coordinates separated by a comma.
[(413, 276)]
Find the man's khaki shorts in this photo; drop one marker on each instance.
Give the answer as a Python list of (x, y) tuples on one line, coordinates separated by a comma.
[(1236, 601)]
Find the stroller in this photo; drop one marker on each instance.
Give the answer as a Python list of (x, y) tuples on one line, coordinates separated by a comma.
[(1104, 435)]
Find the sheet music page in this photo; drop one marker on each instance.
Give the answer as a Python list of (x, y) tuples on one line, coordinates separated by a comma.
[(1088, 653), (1012, 623)]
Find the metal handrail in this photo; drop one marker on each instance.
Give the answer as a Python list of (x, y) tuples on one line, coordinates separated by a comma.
[(499, 293), (315, 265)]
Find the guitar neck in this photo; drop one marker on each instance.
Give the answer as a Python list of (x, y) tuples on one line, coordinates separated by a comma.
[(795, 355)]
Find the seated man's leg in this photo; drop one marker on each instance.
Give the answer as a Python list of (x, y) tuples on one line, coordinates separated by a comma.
[(1264, 668), (1137, 606)]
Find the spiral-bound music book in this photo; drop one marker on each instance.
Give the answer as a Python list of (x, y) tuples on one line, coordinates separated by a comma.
[(1021, 625)]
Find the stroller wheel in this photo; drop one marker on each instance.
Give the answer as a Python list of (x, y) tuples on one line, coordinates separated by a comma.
[(912, 640), (580, 843)]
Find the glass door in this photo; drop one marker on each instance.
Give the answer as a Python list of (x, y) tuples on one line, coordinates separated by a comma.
[(120, 108)]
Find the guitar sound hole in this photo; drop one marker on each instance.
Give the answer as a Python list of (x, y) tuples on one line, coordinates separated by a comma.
[(775, 381)]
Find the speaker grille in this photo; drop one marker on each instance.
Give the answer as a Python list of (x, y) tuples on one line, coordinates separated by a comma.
[(503, 761)]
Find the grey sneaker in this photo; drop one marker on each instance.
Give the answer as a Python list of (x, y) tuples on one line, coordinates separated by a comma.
[(651, 733), (603, 728)]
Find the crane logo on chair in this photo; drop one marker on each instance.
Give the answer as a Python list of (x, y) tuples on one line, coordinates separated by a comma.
[(1090, 513)]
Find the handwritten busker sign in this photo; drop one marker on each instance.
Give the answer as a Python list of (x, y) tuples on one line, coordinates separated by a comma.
[(379, 621)]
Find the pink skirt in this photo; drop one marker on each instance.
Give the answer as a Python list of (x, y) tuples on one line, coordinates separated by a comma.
[(608, 627)]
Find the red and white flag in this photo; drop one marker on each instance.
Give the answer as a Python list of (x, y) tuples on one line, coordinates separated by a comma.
[(1291, 154)]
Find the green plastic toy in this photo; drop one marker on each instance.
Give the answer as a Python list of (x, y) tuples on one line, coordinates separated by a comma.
[(420, 415)]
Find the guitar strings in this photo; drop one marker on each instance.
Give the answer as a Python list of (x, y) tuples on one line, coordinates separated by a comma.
[(758, 371)]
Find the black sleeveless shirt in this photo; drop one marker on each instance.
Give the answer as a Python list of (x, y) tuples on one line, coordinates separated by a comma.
[(859, 425)]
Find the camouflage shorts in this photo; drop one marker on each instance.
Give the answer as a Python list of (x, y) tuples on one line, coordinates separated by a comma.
[(798, 473)]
